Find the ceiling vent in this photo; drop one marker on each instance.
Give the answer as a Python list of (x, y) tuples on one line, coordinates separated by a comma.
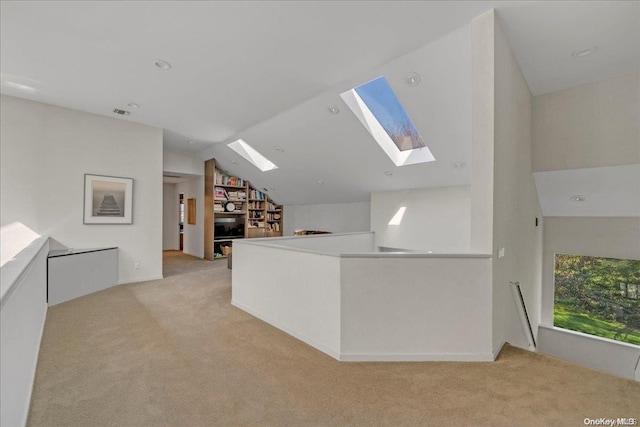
[(121, 112), (168, 175)]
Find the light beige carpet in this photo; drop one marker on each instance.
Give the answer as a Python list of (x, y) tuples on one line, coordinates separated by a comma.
[(174, 352)]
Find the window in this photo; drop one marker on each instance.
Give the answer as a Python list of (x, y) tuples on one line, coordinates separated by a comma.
[(381, 113), (252, 155), (598, 296)]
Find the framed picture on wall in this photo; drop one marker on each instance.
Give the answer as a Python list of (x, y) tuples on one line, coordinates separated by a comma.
[(108, 200), (191, 211)]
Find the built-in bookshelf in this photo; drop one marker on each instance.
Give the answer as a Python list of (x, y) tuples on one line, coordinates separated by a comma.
[(274, 219), (235, 210), (265, 216)]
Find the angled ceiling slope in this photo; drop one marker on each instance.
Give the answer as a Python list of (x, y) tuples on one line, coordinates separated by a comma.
[(265, 70)]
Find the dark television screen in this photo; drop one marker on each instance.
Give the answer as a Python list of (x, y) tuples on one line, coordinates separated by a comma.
[(228, 227)]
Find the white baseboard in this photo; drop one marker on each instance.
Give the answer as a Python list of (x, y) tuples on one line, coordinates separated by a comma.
[(323, 348), (140, 279), (427, 357), (498, 349), (395, 357)]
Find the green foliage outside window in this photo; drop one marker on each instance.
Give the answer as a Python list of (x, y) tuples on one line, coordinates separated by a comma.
[(598, 296)]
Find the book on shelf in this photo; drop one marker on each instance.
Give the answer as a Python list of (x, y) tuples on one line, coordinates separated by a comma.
[(221, 193), (255, 194), (234, 181), (273, 207)]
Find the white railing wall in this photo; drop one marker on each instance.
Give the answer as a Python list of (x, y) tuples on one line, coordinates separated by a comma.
[(606, 355), (341, 296), (23, 308)]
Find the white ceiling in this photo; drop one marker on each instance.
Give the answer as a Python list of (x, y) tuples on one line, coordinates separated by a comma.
[(608, 191), (266, 71)]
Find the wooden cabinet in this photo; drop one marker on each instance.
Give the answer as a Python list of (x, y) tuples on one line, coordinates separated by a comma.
[(235, 210)]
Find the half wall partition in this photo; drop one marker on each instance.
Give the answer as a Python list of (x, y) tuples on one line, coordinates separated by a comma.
[(339, 294)]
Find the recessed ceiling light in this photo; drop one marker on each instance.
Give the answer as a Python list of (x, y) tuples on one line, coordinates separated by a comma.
[(320, 182), (333, 109), (578, 198), (163, 65), (459, 165), (585, 51), (133, 105), (191, 142), (412, 79), (388, 173), (279, 149)]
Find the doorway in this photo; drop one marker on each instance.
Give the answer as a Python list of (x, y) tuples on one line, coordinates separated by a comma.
[(181, 220)]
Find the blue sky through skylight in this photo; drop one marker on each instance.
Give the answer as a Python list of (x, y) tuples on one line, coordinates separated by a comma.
[(384, 117), (386, 108)]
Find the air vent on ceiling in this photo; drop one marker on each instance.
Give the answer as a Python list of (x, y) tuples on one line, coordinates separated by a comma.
[(167, 175), (121, 112)]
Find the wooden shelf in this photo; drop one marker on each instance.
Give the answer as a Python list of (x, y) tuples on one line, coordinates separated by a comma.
[(231, 186), (256, 203)]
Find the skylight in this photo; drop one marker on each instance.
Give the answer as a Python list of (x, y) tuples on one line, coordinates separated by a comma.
[(252, 155), (381, 113)]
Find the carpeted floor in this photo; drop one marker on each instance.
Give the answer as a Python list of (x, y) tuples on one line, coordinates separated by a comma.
[(174, 352)]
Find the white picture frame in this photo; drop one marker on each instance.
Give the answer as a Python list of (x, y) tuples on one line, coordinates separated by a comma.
[(108, 200)]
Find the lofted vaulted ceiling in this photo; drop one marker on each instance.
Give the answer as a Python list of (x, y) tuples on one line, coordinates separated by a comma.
[(266, 72)]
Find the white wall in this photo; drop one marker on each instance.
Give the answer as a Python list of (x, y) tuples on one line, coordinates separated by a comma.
[(617, 358), (182, 163), (482, 135), (435, 219), (377, 306), (591, 125), (22, 316), (294, 291), (46, 150), (416, 309), (515, 201), (193, 235), (336, 218), (170, 217)]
